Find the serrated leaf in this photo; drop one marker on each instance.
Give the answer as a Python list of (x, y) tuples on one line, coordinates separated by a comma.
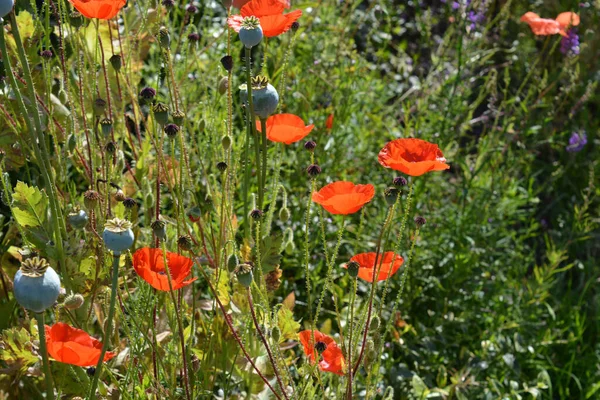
[(223, 287), (269, 253), (287, 325), (29, 205)]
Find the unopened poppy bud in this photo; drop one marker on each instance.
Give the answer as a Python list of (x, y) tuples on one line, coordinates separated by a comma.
[(73, 301), (227, 62), (178, 117), (91, 371), (194, 214), (72, 142), (310, 145), (129, 203), (371, 353), (226, 142), (184, 242), (116, 62), (106, 125), (202, 125), (164, 38), (91, 199), (222, 166), (313, 170), (111, 147), (76, 19), (168, 3), (148, 93), (159, 228), (276, 334), (244, 274), (400, 181), (284, 214), (46, 54), (120, 196), (391, 194), (171, 130), (191, 9), (161, 113), (194, 37), (420, 221), (353, 268), (223, 84), (320, 347), (232, 262), (256, 214), (375, 323), (149, 200), (290, 247), (99, 106), (295, 26)]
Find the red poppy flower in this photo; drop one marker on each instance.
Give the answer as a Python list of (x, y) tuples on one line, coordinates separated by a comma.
[(367, 267), (547, 26), (101, 9), (329, 122), (270, 13), (343, 197), (285, 128), (241, 3), (149, 265), (414, 157), (332, 359), (73, 346), (566, 20)]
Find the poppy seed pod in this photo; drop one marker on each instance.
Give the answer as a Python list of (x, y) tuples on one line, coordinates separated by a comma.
[(191, 9), (400, 181), (164, 38), (91, 199), (161, 113), (73, 301), (99, 106), (194, 37), (5, 7), (250, 33), (168, 3), (159, 228), (111, 148), (244, 274), (223, 85), (116, 61), (76, 19), (178, 117), (107, 125), (118, 235), (148, 93), (391, 194), (295, 26), (36, 285), (313, 170), (320, 347), (227, 62), (226, 142), (264, 97), (78, 219), (256, 214), (91, 371), (129, 203), (420, 221), (353, 268), (184, 242), (171, 130)]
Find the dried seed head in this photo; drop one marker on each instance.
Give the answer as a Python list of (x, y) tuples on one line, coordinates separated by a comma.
[(313, 170), (111, 147), (400, 181), (129, 203), (184, 242), (310, 145), (91, 198), (117, 225), (171, 130), (159, 228), (420, 221), (34, 267), (178, 117), (227, 62)]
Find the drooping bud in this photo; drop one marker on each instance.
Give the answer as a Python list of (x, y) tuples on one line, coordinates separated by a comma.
[(353, 268), (232, 262), (223, 84), (159, 228), (375, 323), (276, 334), (73, 301), (227, 62), (284, 214), (119, 195), (111, 147), (256, 214)]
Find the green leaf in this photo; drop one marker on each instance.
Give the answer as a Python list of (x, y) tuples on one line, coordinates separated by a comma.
[(223, 287), (270, 256), (29, 205), (288, 327), (419, 387)]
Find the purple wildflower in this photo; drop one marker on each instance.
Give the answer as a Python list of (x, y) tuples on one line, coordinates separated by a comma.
[(569, 44), (576, 142)]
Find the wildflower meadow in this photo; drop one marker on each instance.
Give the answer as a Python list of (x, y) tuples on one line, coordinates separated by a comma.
[(290, 199)]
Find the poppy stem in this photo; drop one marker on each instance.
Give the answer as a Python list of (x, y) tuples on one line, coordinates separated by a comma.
[(350, 328), (109, 323), (263, 128), (266, 343), (179, 324), (252, 119), (44, 351)]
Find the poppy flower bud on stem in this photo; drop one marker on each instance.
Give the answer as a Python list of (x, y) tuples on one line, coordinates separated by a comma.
[(161, 113), (420, 221), (353, 268), (116, 62), (391, 194), (400, 181), (310, 145), (256, 214), (178, 117), (148, 93), (171, 130), (91, 199), (168, 3), (227, 62), (159, 228), (164, 38), (313, 170), (184, 242), (226, 142), (244, 274), (129, 203), (99, 106), (73, 301), (222, 166)]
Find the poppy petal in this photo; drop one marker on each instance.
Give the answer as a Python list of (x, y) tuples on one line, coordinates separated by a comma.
[(567, 19), (343, 197), (73, 346), (413, 157), (261, 8), (235, 22), (149, 265), (285, 128), (367, 267)]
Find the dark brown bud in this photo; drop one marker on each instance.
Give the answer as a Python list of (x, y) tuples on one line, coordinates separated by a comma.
[(313, 170)]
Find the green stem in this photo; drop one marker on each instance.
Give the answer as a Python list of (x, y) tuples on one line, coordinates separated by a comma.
[(44, 351), (263, 129), (252, 119), (109, 323), (350, 329)]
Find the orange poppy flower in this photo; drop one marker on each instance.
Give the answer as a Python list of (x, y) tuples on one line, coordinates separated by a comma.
[(285, 128), (329, 122), (343, 197), (367, 267), (101, 9), (73, 346), (547, 26), (149, 265), (332, 359), (241, 3), (414, 157), (270, 13)]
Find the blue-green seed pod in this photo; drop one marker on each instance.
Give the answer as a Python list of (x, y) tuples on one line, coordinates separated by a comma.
[(36, 285), (118, 235), (264, 97), (251, 33), (78, 219), (6, 6)]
